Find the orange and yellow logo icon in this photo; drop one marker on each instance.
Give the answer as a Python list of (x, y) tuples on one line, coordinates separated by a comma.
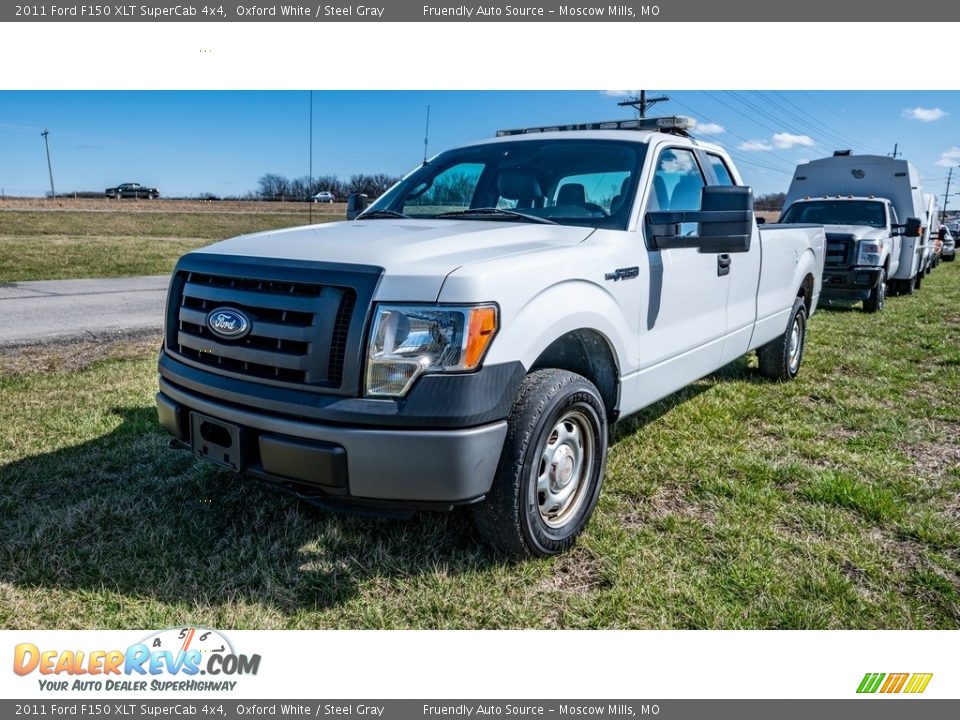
[(894, 683)]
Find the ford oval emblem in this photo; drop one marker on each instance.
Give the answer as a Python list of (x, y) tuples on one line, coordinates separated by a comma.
[(228, 323)]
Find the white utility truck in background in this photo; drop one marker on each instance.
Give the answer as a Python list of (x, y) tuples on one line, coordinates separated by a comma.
[(877, 221), (935, 242), (470, 337)]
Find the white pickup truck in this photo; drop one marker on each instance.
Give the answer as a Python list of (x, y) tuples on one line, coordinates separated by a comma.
[(877, 220), (469, 338)]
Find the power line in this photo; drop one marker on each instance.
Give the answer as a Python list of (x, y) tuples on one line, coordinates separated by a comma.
[(850, 122), (811, 123), (773, 156), (740, 112)]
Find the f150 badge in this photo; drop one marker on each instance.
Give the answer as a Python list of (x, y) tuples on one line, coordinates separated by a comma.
[(228, 323), (623, 274)]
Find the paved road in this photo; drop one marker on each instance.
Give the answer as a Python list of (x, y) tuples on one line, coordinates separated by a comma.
[(49, 310)]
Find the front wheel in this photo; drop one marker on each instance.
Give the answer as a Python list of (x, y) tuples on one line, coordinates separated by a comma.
[(551, 467), (878, 295), (780, 359)]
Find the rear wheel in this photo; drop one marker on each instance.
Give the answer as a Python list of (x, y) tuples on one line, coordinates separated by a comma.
[(780, 359), (878, 295), (918, 280), (551, 467)]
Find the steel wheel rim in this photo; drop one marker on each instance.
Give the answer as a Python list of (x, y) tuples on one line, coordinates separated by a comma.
[(564, 468), (796, 337)]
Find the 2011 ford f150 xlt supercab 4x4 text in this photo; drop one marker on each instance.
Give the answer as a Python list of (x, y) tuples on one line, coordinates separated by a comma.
[(469, 337)]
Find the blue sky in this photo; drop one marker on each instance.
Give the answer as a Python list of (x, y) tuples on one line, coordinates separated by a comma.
[(187, 143)]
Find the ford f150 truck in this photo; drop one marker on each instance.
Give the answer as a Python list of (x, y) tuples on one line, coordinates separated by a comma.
[(469, 338), (877, 223)]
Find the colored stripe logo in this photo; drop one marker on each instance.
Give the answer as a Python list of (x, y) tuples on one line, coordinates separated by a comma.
[(913, 683)]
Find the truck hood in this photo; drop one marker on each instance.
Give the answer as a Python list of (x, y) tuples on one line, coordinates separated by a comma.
[(859, 232), (416, 255)]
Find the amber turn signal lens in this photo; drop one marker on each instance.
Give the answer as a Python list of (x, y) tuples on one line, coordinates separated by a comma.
[(483, 325)]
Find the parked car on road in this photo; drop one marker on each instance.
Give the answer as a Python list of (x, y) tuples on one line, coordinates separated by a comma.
[(324, 196), (132, 190), (470, 337)]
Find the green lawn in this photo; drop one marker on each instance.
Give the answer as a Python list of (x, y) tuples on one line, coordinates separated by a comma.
[(59, 245), (831, 502)]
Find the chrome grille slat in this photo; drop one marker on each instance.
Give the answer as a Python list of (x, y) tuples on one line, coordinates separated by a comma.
[(243, 353), (297, 331)]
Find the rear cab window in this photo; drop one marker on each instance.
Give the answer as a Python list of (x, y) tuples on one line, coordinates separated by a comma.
[(720, 169)]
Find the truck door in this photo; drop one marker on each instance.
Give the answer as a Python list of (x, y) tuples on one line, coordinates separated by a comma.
[(743, 279), (683, 322), (895, 241)]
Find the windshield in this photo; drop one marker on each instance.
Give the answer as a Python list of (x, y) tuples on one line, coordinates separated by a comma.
[(570, 182), (867, 213)]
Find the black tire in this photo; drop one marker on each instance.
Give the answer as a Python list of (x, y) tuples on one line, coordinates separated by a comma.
[(515, 515), (907, 287), (949, 258), (780, 359), (878, 295), (918, 280)]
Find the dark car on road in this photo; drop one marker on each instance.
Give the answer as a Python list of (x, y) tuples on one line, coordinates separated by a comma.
[(132, 190)]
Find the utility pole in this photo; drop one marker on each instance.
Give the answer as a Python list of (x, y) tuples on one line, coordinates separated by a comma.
[(643, 103), (310, 186), (946, 198), (45, 133), (895, 154), (426, 137)]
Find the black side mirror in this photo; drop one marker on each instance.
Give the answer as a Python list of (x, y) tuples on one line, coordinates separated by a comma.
[(912, 227), (356, 204), (725, 221)]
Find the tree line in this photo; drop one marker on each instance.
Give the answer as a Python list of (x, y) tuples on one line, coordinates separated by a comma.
[(279, 187)]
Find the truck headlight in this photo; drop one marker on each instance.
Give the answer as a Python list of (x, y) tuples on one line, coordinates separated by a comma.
[(407, 341), (869, 253)]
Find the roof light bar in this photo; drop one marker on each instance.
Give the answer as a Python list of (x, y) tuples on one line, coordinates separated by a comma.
[(674, 124)]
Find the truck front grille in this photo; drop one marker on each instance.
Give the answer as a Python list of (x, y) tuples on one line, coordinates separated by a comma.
[(839, 251), (298, 330)]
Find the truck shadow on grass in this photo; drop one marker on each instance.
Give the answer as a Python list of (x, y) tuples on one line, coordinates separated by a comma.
[(125, 514)]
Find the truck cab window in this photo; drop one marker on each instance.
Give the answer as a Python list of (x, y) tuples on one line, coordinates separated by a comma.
[(451, 189), (677, 183), (720, 170)]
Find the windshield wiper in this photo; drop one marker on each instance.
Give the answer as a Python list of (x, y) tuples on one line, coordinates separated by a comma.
[(381, 214), (494, 212)]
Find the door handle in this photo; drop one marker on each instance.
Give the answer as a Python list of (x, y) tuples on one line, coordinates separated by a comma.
[(723, 265)]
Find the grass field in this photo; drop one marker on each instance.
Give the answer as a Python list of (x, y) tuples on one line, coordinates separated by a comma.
[(830, 502), (103, 238)]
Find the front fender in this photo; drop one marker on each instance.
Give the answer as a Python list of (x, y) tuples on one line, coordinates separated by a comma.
[(555, 311)]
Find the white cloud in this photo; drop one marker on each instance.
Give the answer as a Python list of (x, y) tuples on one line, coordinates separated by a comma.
[(620, 93), (708, 128), (925, 114), (755, 145), (785, 141), (949, 158)]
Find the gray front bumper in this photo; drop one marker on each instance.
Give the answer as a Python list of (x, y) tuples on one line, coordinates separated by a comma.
[(405, 466)]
